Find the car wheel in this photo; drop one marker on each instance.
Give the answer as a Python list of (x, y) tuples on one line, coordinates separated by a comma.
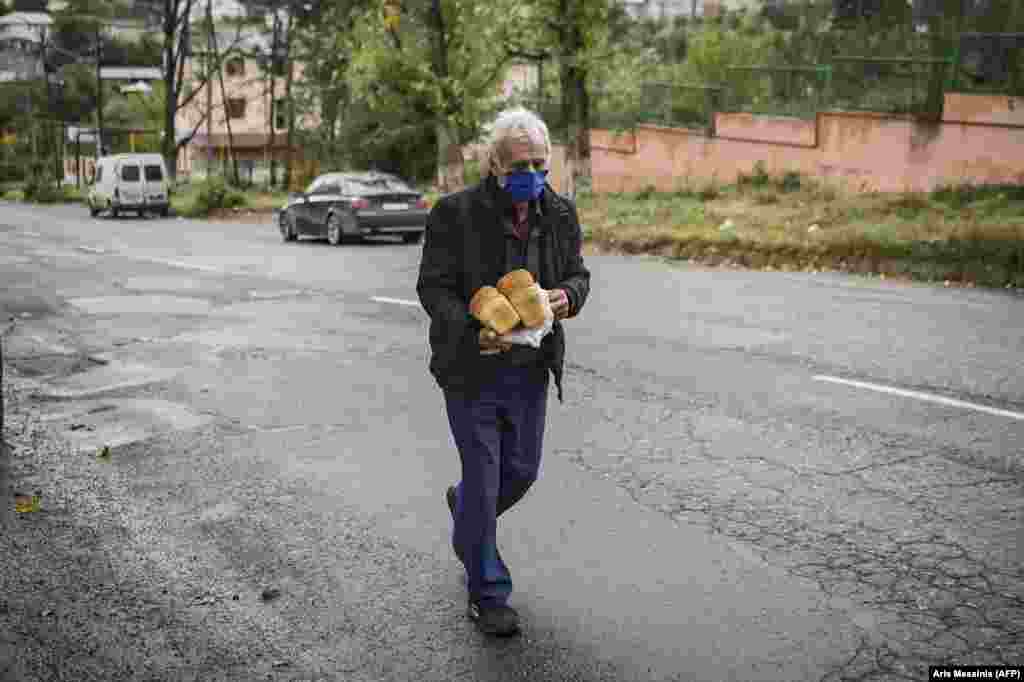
[(335, 235), (93, 211), (412, 237), (287, 226), (113, 210), (164, 212)]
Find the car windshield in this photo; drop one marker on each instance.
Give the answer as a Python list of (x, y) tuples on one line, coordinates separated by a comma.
[(130, 173), (378, 185), (154, 173)]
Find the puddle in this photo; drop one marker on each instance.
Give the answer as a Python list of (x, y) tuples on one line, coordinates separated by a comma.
[(147, 304)]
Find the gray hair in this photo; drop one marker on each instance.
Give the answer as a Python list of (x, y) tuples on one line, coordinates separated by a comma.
[(515, 124)]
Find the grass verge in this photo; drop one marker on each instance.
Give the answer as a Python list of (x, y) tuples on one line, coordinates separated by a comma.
[(970, 235)]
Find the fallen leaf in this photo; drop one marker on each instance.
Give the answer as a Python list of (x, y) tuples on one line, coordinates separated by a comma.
[(25, 504), (104, 453)]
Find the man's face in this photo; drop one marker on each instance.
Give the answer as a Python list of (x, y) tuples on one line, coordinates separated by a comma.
[(522, 154)]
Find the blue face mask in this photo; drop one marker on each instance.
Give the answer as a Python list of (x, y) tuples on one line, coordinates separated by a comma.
[(525, 185)]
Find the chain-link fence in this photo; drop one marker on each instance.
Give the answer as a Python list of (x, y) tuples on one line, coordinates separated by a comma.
[(678, 105), (778, 90), (896, 85)]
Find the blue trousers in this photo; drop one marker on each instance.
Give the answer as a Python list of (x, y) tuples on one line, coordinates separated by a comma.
[(499, 432)]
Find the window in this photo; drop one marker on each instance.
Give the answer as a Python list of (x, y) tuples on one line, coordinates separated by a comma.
[(99, 173), (236, 107), (235, 66), (280, 114), (377, 184), (130, 173), (154, 173)]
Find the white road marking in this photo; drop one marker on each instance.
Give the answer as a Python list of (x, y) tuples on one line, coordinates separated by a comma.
[(180, 264), (396, 301), (91, 249), (27, 233), (927, 397)]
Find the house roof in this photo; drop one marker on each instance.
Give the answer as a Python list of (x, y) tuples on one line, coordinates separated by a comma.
[(26, 19)]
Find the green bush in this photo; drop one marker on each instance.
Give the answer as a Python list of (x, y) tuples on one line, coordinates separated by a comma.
[(41, 189), (709, 192), (214, 193), (791, 181)]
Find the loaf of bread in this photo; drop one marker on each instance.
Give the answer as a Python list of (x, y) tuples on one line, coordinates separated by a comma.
[(494, 310), (526, 297), (517, 279)]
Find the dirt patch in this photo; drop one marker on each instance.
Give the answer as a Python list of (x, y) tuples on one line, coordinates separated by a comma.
[(242, 215)]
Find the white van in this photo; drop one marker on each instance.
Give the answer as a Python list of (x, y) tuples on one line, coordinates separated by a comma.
[(130, 182)]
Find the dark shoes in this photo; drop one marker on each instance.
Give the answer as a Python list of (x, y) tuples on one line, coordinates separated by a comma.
[(496, 621), (449, 496)]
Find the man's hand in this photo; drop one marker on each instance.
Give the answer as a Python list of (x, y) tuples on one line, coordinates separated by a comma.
[(559, 303), (489, 343)]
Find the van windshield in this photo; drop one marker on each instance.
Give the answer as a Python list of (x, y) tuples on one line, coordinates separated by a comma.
[(154, 174), (130, 173)]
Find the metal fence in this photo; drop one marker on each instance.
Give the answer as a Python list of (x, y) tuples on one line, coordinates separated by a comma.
[(678, 105), (901, 85), (778, 90)]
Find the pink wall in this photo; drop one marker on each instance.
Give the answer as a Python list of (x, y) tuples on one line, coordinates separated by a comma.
[(983, 142)]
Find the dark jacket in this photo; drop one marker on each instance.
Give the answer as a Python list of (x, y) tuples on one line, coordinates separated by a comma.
[(465, 250)]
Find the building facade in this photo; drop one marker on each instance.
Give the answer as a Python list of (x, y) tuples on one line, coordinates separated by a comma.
[(22, 36), (253, 109)]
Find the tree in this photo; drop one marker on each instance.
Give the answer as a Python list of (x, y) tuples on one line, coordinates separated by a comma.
[(578, 30), (437, 61)]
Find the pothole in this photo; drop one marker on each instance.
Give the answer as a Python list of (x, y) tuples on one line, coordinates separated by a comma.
[(111, 377), (55, 364)]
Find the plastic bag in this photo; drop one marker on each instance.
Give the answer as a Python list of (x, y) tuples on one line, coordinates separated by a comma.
[(532, 337)]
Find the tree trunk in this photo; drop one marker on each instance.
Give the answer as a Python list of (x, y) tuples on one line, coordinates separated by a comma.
[(224, 98), (290, 108), (169, 143), (450, 162), (271, 137)]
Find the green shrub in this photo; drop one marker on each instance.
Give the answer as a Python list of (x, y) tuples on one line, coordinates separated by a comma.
[(791, 181), (214, 193), (760, 178), (646, 193), (709, 192)]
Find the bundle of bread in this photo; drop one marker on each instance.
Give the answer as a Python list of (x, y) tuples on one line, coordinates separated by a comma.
[(518, 309)]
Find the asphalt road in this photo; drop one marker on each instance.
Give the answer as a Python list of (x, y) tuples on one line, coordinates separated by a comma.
[(754, 476)]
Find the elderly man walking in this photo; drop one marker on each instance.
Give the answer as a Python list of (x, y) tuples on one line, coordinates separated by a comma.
[(496, 390)]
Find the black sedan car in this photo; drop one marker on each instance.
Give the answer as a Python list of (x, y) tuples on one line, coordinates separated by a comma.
[(350, 206)]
